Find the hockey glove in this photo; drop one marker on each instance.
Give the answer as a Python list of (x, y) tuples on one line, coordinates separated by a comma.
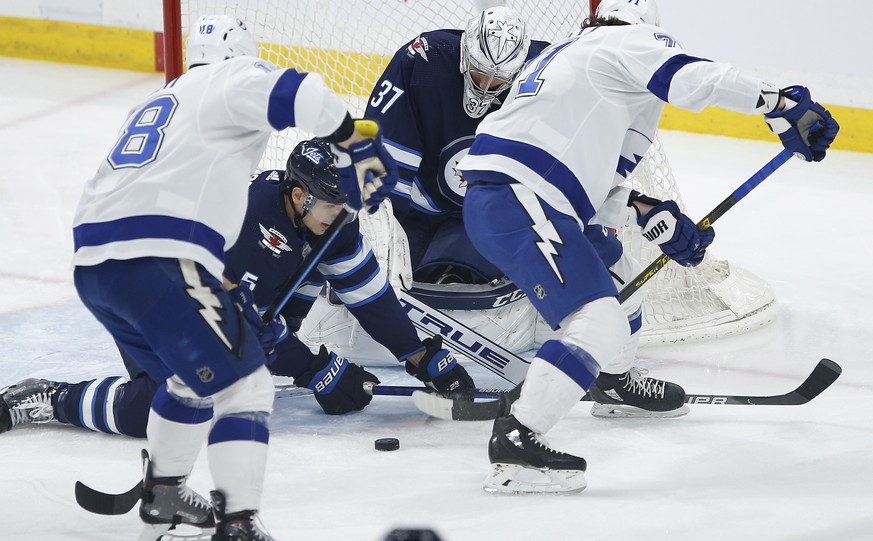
[(269, 333), (337, 383), (805, 128), (676, 234), (439, 370), (367, 172)]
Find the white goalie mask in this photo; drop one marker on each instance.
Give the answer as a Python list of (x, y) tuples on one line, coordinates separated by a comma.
[(216, 38), (493, 50), (629, 11)]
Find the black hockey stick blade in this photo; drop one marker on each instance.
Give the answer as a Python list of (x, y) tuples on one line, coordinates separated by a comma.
[(102, 503), (822, 376), (459, 409)]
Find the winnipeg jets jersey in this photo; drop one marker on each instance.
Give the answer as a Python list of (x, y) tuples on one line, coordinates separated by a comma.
[(270, 248), (174, 184), (580, 116), (418, 102)]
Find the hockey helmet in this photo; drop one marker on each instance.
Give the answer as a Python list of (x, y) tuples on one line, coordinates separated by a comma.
[(311, 167), (629, 11), (493, 50), (218, 37)]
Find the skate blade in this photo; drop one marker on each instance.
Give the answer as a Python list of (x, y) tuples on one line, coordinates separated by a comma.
[(182, 532), (614, 411), (515, 479)]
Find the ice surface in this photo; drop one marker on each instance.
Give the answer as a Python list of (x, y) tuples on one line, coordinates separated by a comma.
[(722, 472)]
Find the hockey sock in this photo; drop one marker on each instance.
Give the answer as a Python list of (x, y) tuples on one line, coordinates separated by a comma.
[(90, 404), (176, 432), (556, 380)]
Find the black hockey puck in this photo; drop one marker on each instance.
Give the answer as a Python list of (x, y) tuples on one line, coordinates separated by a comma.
[(387, 444)]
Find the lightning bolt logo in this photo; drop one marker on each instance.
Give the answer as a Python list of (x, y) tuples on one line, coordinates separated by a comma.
[(548, 234), (205, 297), (542, 226)]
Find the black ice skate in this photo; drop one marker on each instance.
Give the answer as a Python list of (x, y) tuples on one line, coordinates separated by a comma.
[(28, 401), (523, 463), (168, 502), (239, 526), (633, 394)]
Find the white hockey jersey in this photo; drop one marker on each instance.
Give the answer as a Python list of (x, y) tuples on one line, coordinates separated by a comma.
[(581, 115), (176, 182)]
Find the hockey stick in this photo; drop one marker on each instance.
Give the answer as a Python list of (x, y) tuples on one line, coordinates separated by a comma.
[(707, 220), (103, 503), (291, 284), (284, 390), (823, 375)]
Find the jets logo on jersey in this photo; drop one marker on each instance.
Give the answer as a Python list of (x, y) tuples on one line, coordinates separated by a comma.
[(274, 241), (418, 46), (451, 182), (313, 154)]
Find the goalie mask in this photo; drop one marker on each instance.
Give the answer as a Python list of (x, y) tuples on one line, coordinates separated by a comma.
[(629, 11), (216, 38), (493, 50), (311, 167)]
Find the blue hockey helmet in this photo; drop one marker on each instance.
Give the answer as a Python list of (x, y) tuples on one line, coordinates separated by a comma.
[(311, 167)]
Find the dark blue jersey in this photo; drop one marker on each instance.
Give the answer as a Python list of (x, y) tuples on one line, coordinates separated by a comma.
[(419, 103), (270, 248)]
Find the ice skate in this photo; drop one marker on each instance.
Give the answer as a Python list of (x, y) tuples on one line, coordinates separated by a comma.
[(28, 401), (523, 463), (633, 394), (239, 526), (167, 502)]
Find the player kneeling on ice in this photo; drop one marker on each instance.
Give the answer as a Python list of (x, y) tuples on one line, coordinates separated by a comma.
[(544, 177), (287, 210)]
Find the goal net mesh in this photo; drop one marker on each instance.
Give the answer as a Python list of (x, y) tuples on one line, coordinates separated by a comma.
[(350, 42)]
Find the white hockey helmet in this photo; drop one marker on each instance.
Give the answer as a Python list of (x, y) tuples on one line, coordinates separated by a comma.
[(629, 11), (493, 50), (214, 38)]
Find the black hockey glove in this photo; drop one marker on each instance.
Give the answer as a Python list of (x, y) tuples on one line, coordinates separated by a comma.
[(439, 370), (338, 384)]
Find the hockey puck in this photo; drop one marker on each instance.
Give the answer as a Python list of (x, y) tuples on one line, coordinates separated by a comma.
[(387, 444)]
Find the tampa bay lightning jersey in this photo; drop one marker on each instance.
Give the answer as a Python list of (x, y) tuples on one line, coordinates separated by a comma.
[(173, 185), (580, 116), (270, 248), (418, 101)]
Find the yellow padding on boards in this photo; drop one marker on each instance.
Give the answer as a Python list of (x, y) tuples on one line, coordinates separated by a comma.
[(75, 43), (856, 125)]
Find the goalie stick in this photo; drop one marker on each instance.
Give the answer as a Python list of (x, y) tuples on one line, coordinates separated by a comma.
[(823, 375), (707, 220)]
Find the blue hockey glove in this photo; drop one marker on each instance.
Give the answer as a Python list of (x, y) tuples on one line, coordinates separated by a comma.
[(367, 172), (439, 370), (806, 128), (337, 383), (675, 233), (269, 333)]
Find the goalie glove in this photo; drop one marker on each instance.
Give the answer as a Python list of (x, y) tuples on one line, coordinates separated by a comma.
[(367, 172), (805, 128), (439, 370), (338, 384), (269, 333), (674, 232)]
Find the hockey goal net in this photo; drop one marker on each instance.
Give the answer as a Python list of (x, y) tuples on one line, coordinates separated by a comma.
[(349, 42)]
